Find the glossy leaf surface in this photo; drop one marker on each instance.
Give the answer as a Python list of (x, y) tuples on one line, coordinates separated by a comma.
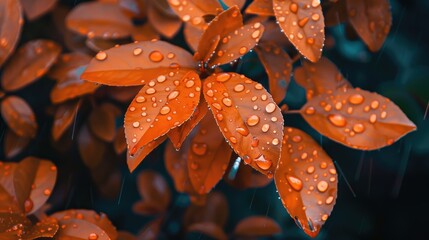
[(64, 116), (261, 8), (19, 116), (193, 11), (34, 9), (10, 27)]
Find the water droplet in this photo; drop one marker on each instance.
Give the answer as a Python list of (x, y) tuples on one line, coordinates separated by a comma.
[(356, 99), (164, 110), (47, 192), (358, 127), (243, 50), (227, 102), (255, 142), (173, 95), (315, 17), (372, 118), (137, 51), (325, 217), (322, 186), (136, 124), (293, 7), (156, 56), (28, 205), (302, 22), (310, 170), (101, 56), (310, 111), (233, 140), (239, 88), (329, 200), (93, 236), (150, 91), (270, 108), (375, 104), (337, 120), (263, 163), (252, 120), (199, 148), (243, 131), (294, 182), (223, 77), (297, 138)]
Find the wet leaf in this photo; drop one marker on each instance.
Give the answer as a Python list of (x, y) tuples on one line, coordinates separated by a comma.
[(278, 66), (261, 8), (34, 180), (35, 9), (7, 172), (248, 118), (193, 11), (257, 226), (91, 149), (215, 210), (97, 19), (19, 116), (303, 24), (319, 78), (46, 228), (166, 26), (371, 19), (134, 160), (178, 135), (357, 118), (29, 63), (10, 27), (209, 229), (238, 3), (65, 115), (137, 63), (14, 144), (17, 226), (306, 180), (102, 121), (161, 105), (68, 63), (154, 190), (192, 36)]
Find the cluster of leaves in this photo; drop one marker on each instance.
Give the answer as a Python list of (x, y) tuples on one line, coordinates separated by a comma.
[(172, 92)]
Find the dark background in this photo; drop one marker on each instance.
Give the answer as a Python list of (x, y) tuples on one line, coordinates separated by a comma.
[(386, 195)]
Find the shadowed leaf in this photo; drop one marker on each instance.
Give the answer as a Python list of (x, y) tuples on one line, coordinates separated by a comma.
[(193, 11), (10, 27), (154, 191), (192, 36), (215, 210), (64, 117), (209, 229), (14, 144), (34, 9), (91, 149), (134, 160), (261, 8), (166, 26), (19, 116), (238, 3), (257, 226), (102, 121)]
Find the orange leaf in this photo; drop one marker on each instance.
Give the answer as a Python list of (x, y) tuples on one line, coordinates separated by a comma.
[(122, 94), (257, 226), (192, 36), (303, 23), (102, 121), (91, 149), (215, 210), (319, 78), (10, 27), (371, 19), (154, 189), (34, 9), (247, 117), (101, 44), (207, 155), (209, 229), (151, 116), (19, 116), (29, 63), (166, 26), (17, 226), (163, 7), (178, 135), (246, 177), (137, 63), (7, 172), (134, 160), (236, 44), (306, 180), (145, 32), (120, 143), (278, 66), (97, 19), (64, 116), (33, 181), (357, 118), (14, 144), (193, 11), (222, 25), (67, 63), (261, 8), (238, 3)]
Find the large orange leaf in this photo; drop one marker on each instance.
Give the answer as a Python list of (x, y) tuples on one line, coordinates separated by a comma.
[(10, 27), (34, 9), (64, 116), (261, 7), (319, 78), (19, 116), (357, 118), (167, 26), (102, 121), (14, 144), (30, 63), (161, 105), (303, 23), (207, 155), (371, 19), (306, 180), (98, 19), (257, 226), (222, 25), (137, 63), (34, 180), (193, 11), (278, 66), (134, 160), (154, 191), (178, 135), (247, 117)]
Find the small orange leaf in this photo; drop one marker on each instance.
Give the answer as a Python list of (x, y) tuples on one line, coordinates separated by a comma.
[(137, 63), (34, 180), (371, 19), (261, 8), (238, 3), (357, 118), (91, 149), (222, 25), (215, 210), (134, 160), (65, 114), (207, 155), (154, 190), (14, 144), (34, 9), (278, 66), (102, 121), (248, 118), (192, 36), (67, 63), (193, 11), (30, 63), (178, 135), (319, 78), (98, 19), (303, 24), (257, 226), (306, 180), (209, 229), (161, 105), (10, 27), (19, 116), (166, 26)]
